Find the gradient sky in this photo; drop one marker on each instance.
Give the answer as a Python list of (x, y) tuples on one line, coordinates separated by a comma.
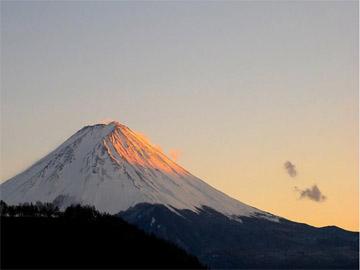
[(237, 87)]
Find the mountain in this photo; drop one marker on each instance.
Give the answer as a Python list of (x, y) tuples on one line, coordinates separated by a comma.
[(222, 242), (113, 168), (120, 172)]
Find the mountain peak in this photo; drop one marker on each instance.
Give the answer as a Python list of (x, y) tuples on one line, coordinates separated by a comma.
[(113, 168), (107, 123), (116, 123)]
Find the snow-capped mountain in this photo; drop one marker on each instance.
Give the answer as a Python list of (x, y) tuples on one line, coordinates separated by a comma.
[(114, 168), (118, 171)]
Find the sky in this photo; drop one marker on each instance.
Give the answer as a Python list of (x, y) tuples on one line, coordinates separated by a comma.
[(232, 90)]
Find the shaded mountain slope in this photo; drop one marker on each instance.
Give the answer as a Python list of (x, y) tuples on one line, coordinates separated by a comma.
[(221, 242)]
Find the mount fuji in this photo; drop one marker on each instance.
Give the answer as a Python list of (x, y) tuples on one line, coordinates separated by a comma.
[(120, 172), (114, 168)]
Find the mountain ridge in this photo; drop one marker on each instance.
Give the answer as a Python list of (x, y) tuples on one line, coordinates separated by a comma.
[(221, 242)]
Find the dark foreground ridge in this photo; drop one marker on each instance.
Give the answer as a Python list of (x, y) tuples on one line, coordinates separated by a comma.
[(255, 242), (39, 236)]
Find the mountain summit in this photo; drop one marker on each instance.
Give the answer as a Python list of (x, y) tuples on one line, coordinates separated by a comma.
[(114, 168)]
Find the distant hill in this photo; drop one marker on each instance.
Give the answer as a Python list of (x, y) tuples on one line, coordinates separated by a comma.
[(39, 236), (252, 243)]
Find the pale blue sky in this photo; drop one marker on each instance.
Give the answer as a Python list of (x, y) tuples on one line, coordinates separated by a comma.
[(230, 84)]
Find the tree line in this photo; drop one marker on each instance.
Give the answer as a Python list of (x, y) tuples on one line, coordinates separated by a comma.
[(49, 210), (40, 236)]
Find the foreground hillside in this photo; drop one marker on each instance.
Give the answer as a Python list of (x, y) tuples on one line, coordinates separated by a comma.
[(41, 237), (249, 242)]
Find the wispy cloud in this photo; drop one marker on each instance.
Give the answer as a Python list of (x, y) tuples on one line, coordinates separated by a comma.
[(174, 154), (146, 139), (142, 137), (312, 193), (290, 168), (158, 147)]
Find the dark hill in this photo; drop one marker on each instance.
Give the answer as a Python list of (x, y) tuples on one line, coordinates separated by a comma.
[(41, 237), (254, 242)]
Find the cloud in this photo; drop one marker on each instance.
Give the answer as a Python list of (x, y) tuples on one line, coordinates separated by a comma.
[(174, 154), (290, 168), (147, 140), (312, 193), (158, 147), (142, 137)]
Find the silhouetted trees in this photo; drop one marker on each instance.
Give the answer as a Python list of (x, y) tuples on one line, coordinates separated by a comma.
[(41, 236), (87, 213), (38, 209)]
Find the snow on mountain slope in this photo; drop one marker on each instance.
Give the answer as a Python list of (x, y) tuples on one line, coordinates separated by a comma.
[(113, 168)]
